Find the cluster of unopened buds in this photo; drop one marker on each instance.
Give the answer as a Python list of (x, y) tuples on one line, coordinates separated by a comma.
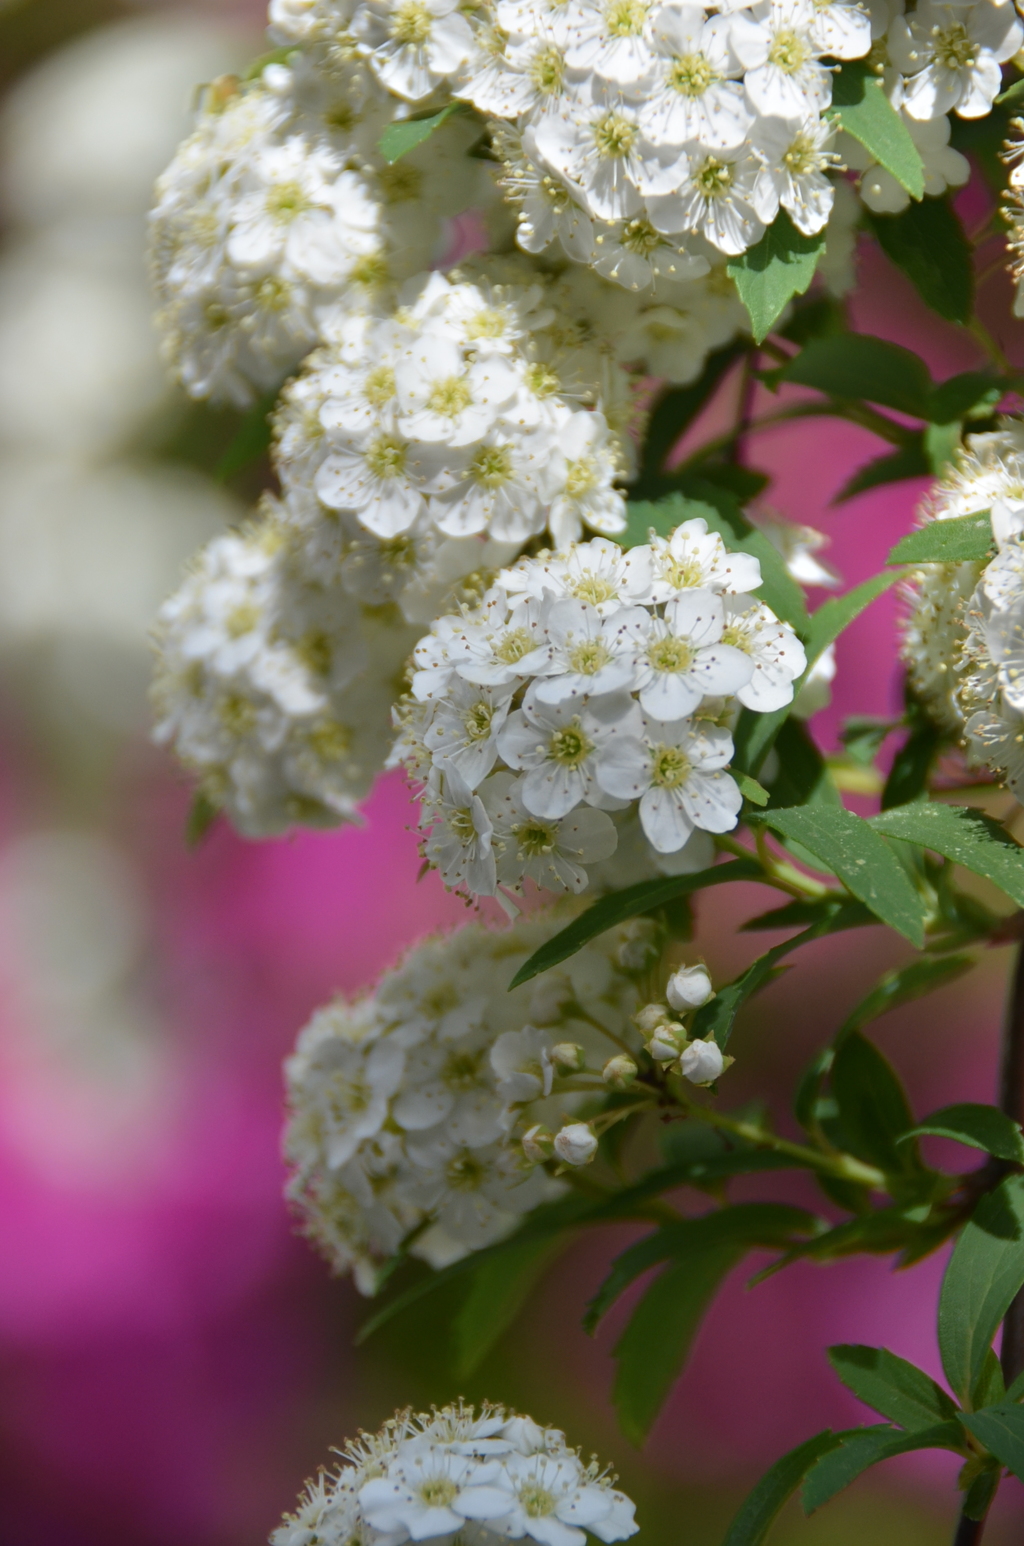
[(666, 1043)]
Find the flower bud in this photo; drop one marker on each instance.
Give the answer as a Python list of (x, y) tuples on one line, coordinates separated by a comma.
[(689, 987), (569, 1056), (538, 1143), (650, 1017), (667, 1042), (619, 1071), (576, 1144), (639, 949), (702, 1062)]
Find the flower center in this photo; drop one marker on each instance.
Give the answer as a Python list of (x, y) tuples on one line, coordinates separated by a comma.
[(438, 1492), (515, 643), (370, 271), (570, 746), (670, 654), (594, 588), (547, 70), (450, 397), (314, 650), (412, 24), (346, 1097), (541, 380), (237, 714), (379, 386), (534, 838), (285, 201), (491, 322), (614, 136), (671, 767), (691, 75), (465, 1173), (462, 825), (492, 466), (953, 47), (581, 477), (683, 573), (216, 316), (330, 741), (625, 18), (802, 158), (713, 177), (477, 721), (400, 183), (536, 1500), (241, 619), (461, 1071), (386, 457), (272, 293), (788, 51), (588, 658), (639, 236)]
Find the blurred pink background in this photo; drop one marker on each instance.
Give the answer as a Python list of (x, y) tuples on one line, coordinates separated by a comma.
[(173, 1360)]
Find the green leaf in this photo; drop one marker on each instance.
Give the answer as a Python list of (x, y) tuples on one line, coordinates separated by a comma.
[(499, 1288), (795, 914), (401, 137), (980, 1127), (803, 777), (912, 765), (716, 1018), (966, 836), (745, 1226), (984, 1273), (675, 412), (864, 111), (979, 1495), (869, 869), (751, 790), (910, 461), (928, 243), (961, 395), (858, 365), (202, 814), (962, 539), (835, 615), (892, 1386), (865, 1448), (770, 273), (251, 441), (906, 983), (941, 443), (256, 67), (873, 1109), (990, 1387), (1001, 1430), (631, 902), (762, 1506), (819, 317), (863, 737)]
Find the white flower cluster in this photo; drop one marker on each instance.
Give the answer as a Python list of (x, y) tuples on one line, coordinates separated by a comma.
[(964, 634), (274, 687), (586, 683), (279, 207), (403, 1105), (459, 414), (1013, 210), (452, 1474)]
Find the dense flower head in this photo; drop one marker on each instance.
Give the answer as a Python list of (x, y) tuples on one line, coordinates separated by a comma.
[(404, 1104), (274, 687), (482, 1477), (963, 630), (589, 688)]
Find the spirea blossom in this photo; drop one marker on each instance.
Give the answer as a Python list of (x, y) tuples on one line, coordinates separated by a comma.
[(274, 687), (483, 1477), (585, 688), (963, 632), (404, 1104)]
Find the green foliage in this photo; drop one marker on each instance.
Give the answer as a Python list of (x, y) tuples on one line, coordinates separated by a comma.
[(866, 1447), (1001, 1430), (928, 243), (803, 777), (859, 366), (251, 441), (865, 112), (963, 539), (984, 1273), (908, 776), (632, 902), (905, 983), (401, 137), (867, 866), (966, 836), (778, 267), (980, 1127), (892, 1386), (672, 416), (909, 461), (751, 790), (872, 1108), (498, 1289), (762, 1506), (202, 814)]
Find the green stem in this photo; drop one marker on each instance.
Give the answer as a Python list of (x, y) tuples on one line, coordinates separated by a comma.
[(844, 1166)]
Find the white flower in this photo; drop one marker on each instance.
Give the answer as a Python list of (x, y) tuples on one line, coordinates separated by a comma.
[(491, 646), (701, 1062), (720, 196), (560, 747), (694, 96), (303, 213), (552, 853), (413, 45), (500, 489), (380, 480), (458, 843), (797, 157), (778, 656), (588, 655), (474, 1195), (522, 1062), (689, 987), (675, 772), (693, 558), (944, 167), (950, 56), (575, 1144), (441, 399), (463, 729), (779, 47), (424, 1491), (680, 658), (598, 572), (611, 38), (596, 142), (583, 468), (349, 1083)]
